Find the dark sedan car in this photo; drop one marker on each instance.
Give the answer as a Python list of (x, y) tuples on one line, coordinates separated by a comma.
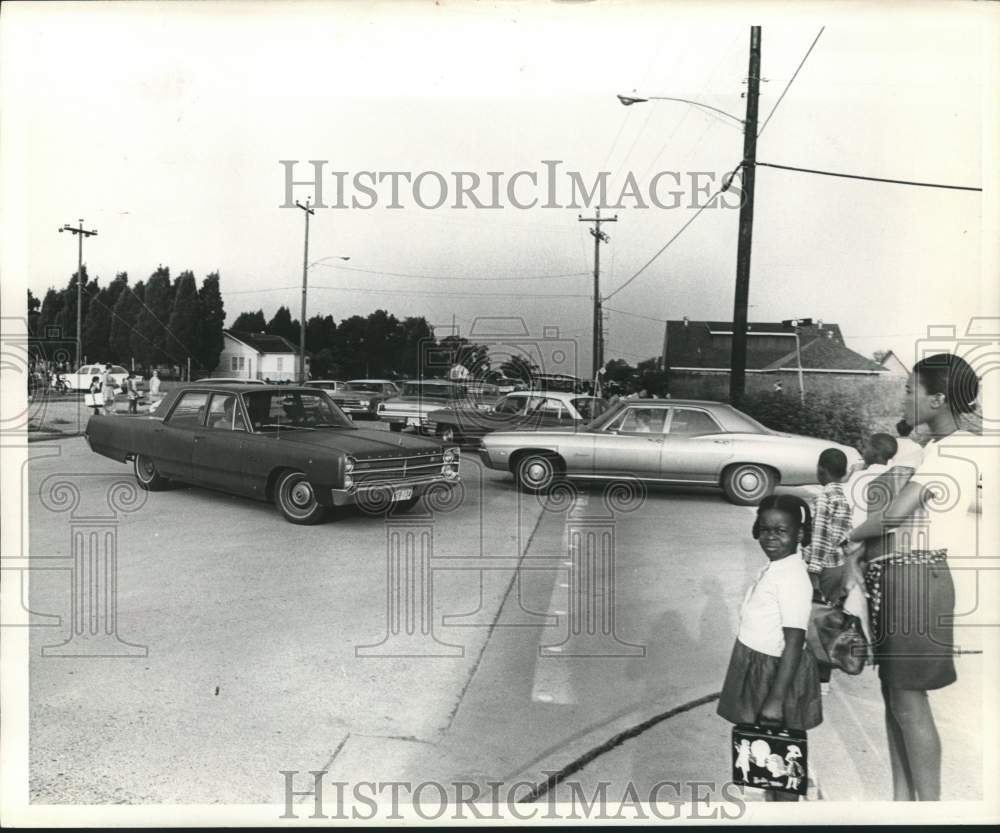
[(519, 411), (290, 445)]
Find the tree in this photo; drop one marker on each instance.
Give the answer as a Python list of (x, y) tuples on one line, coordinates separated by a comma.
[(49, 314), (283, 325), (149, 341), (183, 325), (320, 332), (249, 322), (213, 317), (416, 338), (380, 328), (33, 306), (123, 320), (97, 326), (66, 318), (349, 346)]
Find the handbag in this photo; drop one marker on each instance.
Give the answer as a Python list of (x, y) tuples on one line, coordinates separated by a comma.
[(837, 638), (770, 758)]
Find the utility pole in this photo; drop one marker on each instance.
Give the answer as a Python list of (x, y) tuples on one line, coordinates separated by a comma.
[(738, 360), (599, 237), (80, 234), (305, 280), (797, 324)]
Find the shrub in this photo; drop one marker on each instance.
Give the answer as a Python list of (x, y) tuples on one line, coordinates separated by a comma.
[(823, 416)]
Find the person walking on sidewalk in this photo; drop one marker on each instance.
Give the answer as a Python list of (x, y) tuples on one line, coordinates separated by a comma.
[(772, 678), (132, 389), (108, 390), (911, 592)]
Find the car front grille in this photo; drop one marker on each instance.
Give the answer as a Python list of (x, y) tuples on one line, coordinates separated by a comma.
[(395, 469)]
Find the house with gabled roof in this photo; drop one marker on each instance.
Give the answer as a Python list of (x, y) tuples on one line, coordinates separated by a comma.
[(258, 356), (697, 358)]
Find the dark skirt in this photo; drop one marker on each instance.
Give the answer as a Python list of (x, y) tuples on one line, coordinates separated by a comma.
[(912, 601), (748, 683)]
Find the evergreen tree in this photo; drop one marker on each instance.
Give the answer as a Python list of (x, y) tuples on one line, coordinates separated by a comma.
[(133, 300), (213, 318), (33, 306), (48, 316), (149, 342), (250, 322), (124, 315), (283, 325), (97, 326), (183, 325), (66, 318)]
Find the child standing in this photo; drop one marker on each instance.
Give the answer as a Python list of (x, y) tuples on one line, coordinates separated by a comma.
[(772, 678)]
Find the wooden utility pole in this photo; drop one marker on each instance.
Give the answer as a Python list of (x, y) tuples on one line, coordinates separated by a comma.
[(80, 234), (599, 237), (305, 281), (738, 361)]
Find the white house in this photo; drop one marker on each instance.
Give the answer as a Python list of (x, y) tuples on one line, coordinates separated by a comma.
[(892, 363), (258, 356)]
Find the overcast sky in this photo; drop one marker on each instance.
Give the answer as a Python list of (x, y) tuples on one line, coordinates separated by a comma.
[(163, 127)]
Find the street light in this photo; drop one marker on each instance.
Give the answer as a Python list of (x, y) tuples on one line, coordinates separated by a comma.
[(329, 257), (80, 234), (796, 323), (629, 100)]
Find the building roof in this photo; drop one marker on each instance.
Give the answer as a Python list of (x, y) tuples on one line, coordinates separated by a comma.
[(263, 342), (770, 347)]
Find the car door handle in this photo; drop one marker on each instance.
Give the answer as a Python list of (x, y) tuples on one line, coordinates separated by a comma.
[(722, 442), (654, 439)]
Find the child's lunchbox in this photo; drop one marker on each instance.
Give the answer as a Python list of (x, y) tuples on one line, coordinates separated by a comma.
[(770, 758)]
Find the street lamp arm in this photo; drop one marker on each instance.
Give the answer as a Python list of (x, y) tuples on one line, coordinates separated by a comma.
[(329, 257), (627, 101)]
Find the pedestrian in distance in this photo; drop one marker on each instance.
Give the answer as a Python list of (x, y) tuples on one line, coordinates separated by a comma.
[(910, 588), (108, 390), (95, 394), (772, 677), (132, 390)]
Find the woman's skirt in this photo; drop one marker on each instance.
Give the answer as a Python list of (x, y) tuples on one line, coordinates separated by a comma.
[(748, 684), (912, 601)]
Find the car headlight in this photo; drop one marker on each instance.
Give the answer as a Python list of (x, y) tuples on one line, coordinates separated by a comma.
[(451, 472), (348, 481), (364, 403), (381, 407), (450, 455), (349, 465)]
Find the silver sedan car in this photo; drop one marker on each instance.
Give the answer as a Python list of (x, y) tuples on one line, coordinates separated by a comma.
[(670, 441)]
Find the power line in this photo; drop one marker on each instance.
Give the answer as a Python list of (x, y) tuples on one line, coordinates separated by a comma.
[(636, 315), (451, 277), (868, 178), (424, 292), (790, 80), (665, 246)]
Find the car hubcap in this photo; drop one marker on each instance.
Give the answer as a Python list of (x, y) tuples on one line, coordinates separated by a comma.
[(537, 471), (301, 495), (749, 482)]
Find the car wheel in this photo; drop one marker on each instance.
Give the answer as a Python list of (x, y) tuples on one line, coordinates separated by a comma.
[(296, 500), (747, 484), (446, 433), (147, 475), (395, 427), (536, 472)]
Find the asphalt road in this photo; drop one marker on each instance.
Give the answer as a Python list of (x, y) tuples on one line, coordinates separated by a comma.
[(527, 634)]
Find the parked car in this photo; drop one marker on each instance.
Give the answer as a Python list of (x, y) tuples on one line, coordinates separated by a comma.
[(417, 399), (229, 380), (689, 442), (331, 385), (521, 411), (360, 398), (81, 378), (287, 444)]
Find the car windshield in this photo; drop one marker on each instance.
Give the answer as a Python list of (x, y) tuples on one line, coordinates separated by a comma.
[(363, 387), (294, 409), (427, 391)]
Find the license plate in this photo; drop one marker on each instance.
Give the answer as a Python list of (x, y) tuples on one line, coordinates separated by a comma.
[(402, 494)]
